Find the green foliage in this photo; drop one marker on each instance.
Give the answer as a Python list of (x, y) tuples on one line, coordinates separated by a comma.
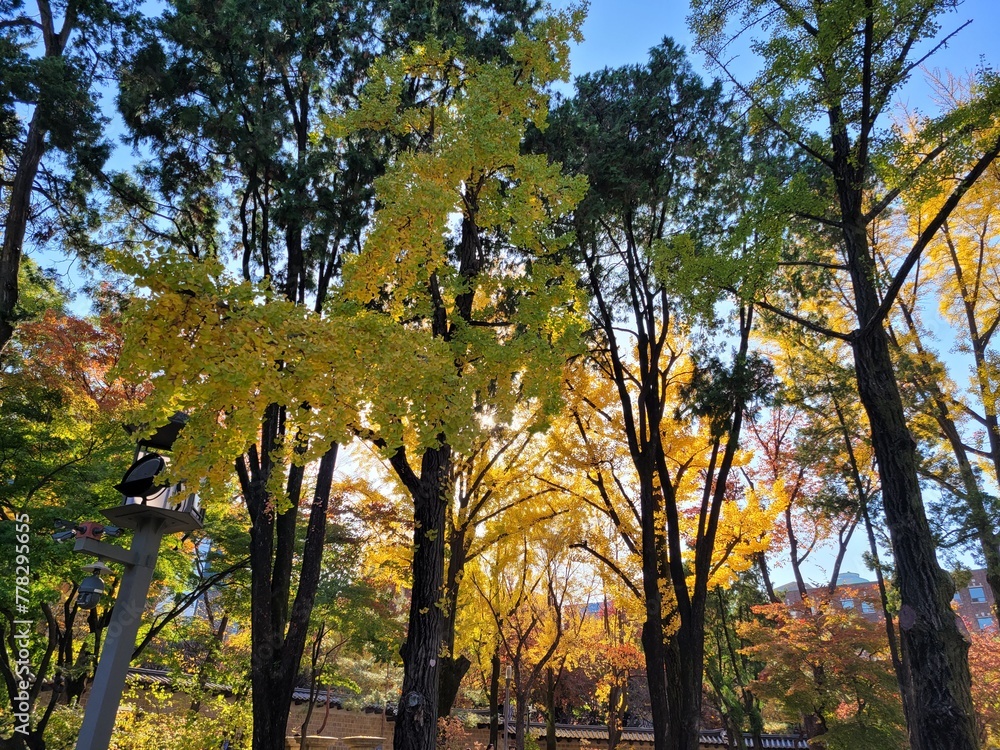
[(523, 315), (729, 672), (152, 719), (662, 153), (38, 291), (62, 730)]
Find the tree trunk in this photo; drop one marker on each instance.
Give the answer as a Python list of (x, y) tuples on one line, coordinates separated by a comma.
[(550, 709), (495, 698), (277, 643), (653, 645), (616, 696), (18, 211), (453, 668), (686, 671), (520, 718), (684, 678), (416, 721), (937, 696)]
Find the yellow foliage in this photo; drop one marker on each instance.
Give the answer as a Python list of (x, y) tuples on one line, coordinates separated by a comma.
[(372, 364)]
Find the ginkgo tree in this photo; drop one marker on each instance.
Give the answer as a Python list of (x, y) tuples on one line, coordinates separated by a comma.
[(459, 307), (830, 74), (534, 591), (494, 490), (958, 425)]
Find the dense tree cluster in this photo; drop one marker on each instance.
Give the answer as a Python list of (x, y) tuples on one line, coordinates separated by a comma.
[(485, 380)]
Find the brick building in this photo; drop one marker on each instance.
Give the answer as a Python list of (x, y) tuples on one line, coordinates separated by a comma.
[(974, 602)]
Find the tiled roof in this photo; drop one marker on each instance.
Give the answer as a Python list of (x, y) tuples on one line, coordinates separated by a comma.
[(301, 695), (709, 737), (778, 741), (162, 677)]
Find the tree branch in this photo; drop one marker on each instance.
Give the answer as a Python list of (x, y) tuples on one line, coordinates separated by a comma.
[(929, 231)]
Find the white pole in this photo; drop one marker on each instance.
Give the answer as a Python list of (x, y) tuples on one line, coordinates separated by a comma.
[(116, 653)]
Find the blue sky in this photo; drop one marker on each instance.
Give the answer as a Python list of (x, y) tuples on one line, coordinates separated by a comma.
[(619, 32)]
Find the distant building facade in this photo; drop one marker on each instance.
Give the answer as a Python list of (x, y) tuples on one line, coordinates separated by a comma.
[(974, 602)]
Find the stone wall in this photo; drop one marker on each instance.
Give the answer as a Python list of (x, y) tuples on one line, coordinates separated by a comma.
[(341, 723)]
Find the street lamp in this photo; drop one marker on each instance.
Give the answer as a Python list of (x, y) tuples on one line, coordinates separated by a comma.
[(151, 510)]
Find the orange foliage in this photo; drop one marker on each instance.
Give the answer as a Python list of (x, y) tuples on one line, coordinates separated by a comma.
[(984, 663), (77, 357), (827, 668)]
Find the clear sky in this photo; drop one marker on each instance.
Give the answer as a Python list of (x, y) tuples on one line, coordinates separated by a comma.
[(620, 32)]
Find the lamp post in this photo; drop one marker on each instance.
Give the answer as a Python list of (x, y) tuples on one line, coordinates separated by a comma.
[(151, 510), (506, 705)]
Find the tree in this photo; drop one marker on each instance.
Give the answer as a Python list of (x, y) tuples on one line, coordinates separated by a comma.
[(531, 589), (61, 450), (840, 64), (828, 670), (222, 97), (818, 434), (611, 654), (250, 92), (478, 326), (730, 672), (948, 418), (51, 67), (456, 330), (494, 492), (654, 141)]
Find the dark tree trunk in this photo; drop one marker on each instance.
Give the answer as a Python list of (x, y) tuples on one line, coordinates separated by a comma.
[(278, 630), (416, 721), (684, 678), (18, 211), (495, 698), (765, 576), (686, 670), (453, 668), (653, 645), (520, 717), (937, 696), (550, 709), (22, 186), (616, 696)]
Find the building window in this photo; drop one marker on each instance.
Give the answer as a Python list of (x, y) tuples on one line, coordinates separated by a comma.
[(958, 597), (984, 622), (977, 594), (847, 603), (868, 608)]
